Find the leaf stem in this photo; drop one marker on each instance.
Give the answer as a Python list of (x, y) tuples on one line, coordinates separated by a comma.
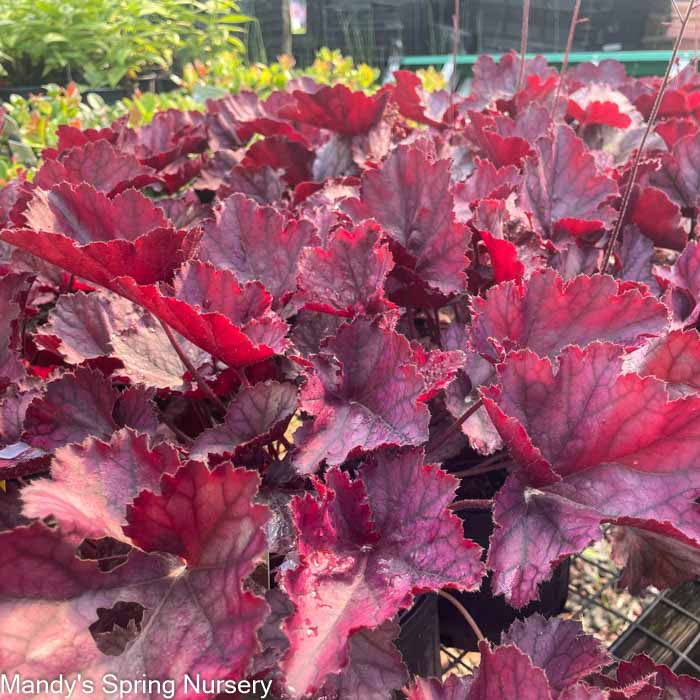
[(609, 249), (182, 435), (472, 504), (492, 464), (523, 44), (567, 53), (201, 382), (465, 614), (455, 51), (463, 418)]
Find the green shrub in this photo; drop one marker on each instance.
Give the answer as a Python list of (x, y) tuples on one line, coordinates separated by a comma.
[(107, 42)]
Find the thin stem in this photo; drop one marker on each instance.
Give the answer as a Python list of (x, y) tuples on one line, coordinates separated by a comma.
[(242, 377), (465, 614), (523, 43), (676, 8), (182, 435), (567, 53), (455, 51), (201, 382), (610, 248), (472, 504), (463, 418), (492, 464)]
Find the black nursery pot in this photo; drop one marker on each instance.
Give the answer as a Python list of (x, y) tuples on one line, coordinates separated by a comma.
[(419, 639), (492, 614)]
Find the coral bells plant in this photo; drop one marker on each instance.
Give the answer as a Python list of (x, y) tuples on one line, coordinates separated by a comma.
[(255, 363)]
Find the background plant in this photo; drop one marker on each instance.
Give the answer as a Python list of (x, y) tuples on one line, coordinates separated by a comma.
[(105, 42)]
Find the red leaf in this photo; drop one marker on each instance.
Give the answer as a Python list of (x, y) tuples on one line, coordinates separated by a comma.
[(502, 150), (347, 276), (72, 137), (279, 153), (98, 164), (337, 109), (256, 243), (504, 259), (417, 104), (583, 460), (672, 130), (212, 331), (545, 314), (170, 135), (674, 358), (363, 394), (658, 218), (362, 559), (92, 483), (597, 112), (562, 181), (96, 238)]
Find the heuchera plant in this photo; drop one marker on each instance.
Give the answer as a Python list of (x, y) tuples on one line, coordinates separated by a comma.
[(248, 357)]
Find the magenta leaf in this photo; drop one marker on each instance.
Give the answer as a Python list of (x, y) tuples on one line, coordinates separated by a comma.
[(454, 688), (410, 197), (74, 611), (347, 276), (362, 560), (363, 394), (254, 413), (562, 181), (72, 408), (256, 243), (678, 174), (374, 670), (559, 647), (683, 295), (507, 672), (583, 460), (92, 482), (101, 324), (545, 314)]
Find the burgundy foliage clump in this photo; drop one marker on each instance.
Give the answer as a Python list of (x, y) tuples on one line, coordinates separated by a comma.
[(245, 352)]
